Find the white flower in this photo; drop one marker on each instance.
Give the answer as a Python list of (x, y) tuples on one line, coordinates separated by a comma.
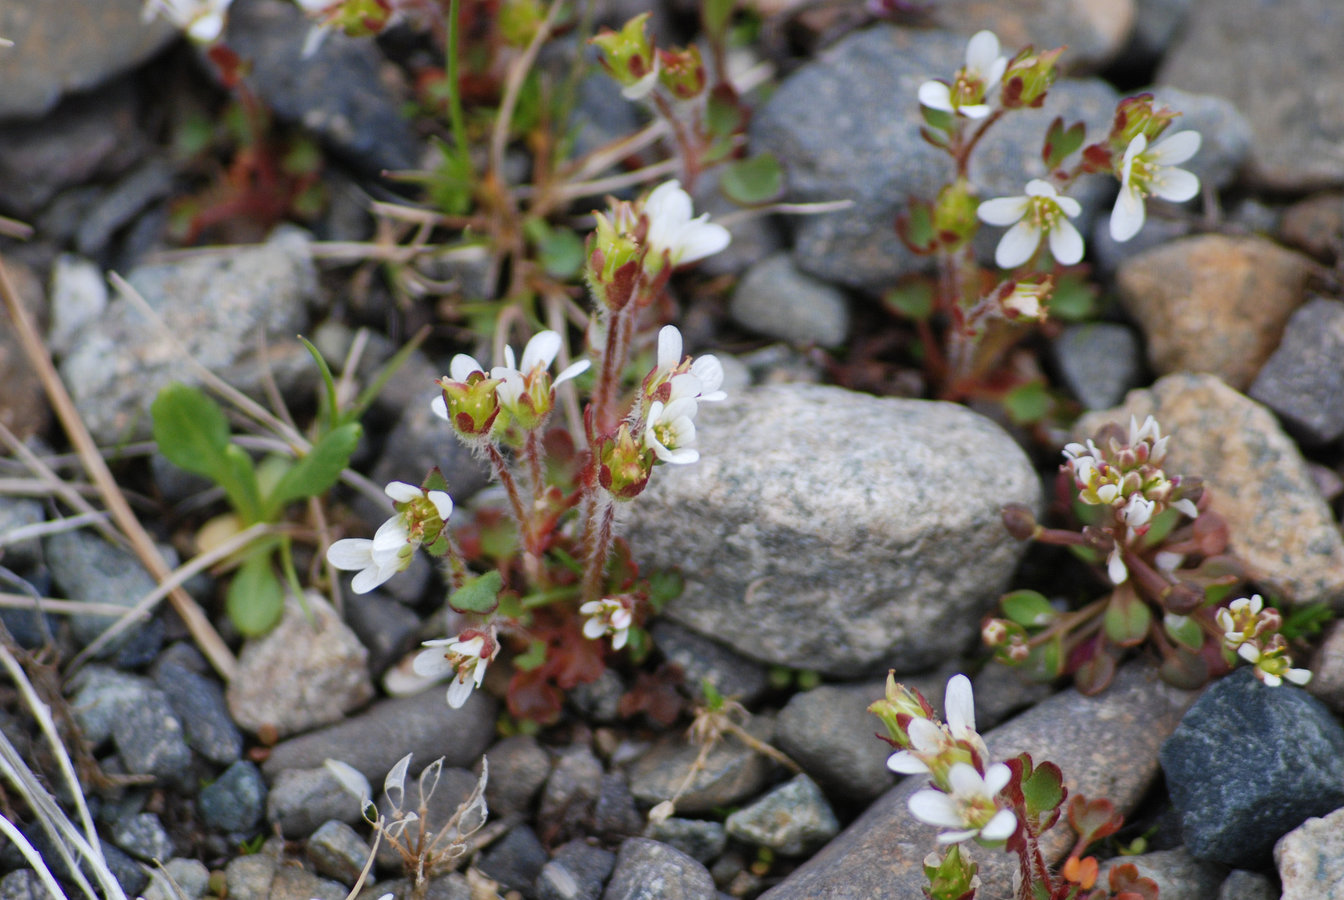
[(202, 20), (969, 808), (1152, 171), (1041, 209), (672, 229), (928, 739), (978, 78), (670, 431), (706, 370), (610, 614), (395, 541), (1137, 512), (464, 660), (538, 355)]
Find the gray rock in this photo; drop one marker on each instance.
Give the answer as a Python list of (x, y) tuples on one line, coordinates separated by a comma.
[(1225, 134), (423, 724), (648, 870), (1001, 691), (846, 127), (1327, 669), (150, 741), (88, 569), (856, 769), (614, 812), (250, 877), (1178, 875), (236, 800), (102, 695), (292, 883), (452, 886), (518, 768), (337, 851), (64, 46), (576, 872), (302, 800), (16, 513), (1237, 784), (215, 303), (1278, 522), (1156, 23), (881, 853), (515, 860), (701, 839), (1280, 48), (142, 836), (123, 202), (828, 530), (336, 92), (1303, 379), (599, 700), (701, 659), (776, 300), (78, 295), (754, 236), (199, 703), (25, 884), (1242, 884), (1093, 36), (1099, 361), (731, 772), (180, 878), (794, 819), (1310, 859), (310, 670), (566, 808), (385, 628)]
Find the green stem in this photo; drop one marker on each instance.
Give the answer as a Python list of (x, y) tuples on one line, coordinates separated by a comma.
[(457, 120)]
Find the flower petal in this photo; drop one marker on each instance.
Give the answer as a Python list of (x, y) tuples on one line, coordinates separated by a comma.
[(699, 239), (402, 492), (1176, 185), (462, 365), (982, 50), (1003, 211), (540, 351), (935, 808), (669, 347), (370, 578), (351, 554), (1127, 216), (935, 95), (1176, 148), (439, 406), (1001, 827), (572, 370), (959, 705), (1066, 244), (442, 503), (459, 691), (1017, 245), (903, 762)]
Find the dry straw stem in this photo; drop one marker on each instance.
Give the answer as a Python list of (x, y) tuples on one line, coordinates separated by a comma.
[(211, 644)]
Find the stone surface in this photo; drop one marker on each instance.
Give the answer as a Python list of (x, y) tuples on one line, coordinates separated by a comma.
[(1225, 134), (62, 46), (142, 836), (830, 530), (880, 854), (515, 860), (214, 302), (1327, 669), (149, 739), (1286, 57), (846, 127), (1310, 859), (1093, 32), (235, 801), (78, 295), (701, 839), (1237, 783), (1304, 378), (648, 870), (1242, 884), (1278, 522), (1178, 875), (453, 788), (794, 819), (310, 670), (577, 872), (199, 703), (701, 659), (1213, 303), (518, 768), (1315, 225), (855, 770), (566, 806), (302, 800), (730, 773), (180, 878), (423, 724), (1099, 361), (774, 299)]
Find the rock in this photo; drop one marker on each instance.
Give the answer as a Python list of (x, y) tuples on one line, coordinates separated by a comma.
[(122, 203), (1315, 225), (338, 92), (1213, 303), (452, 886), (1310, 859), (701, 659), (309, 671), (25, 884), (599, 700), (149, 739), (1304, 378), (424, 725), (1237, 784), (794, 819), (700, 839), (102, 695), (614, 812), (515, 860), (453, 788), (1327, 669), (302, 800), (730, 773), (214, 302), (250, 877), (64, 46), (1280, 527), (576, 872), (384, 627), (292, 883), (142, 836), (1225, 134), (845, 126), (16, 513), (1099, 361), (847, 529), (754, 236), (1242, 884), (24, 408), (518, 768), (1278, 50), (236, 800), (571, 791), (881, 853), (181, 879), (648, 870), (1178, 875), (855, 770), (337, 852), (78, 296), (1093, 33), (1156, 22), (199, 704), (774, 299)]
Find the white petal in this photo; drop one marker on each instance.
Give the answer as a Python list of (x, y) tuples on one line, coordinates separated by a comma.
[(1115, 568), (458, 692), (1188, 508), (935, 95), (925, 736), (700, 239), (975, 110), (935, 808), (956, 837), (903, 762), (1066, 244), (207, 28), (462, 365), (682, 456), (1003, 211), (540, 351), (965, 781), (594, 629), (442, 502), (623, 634), (440, 407), (572, 370), (1175, 185), (669, 346), (1001, 827), (1176, 148), (1039, 187), (1127, 216), (642, 88), (402, 492), (709, 370), (1070, 206), (1017, 245), (959, 703), (1249, 652), (432, 663), (982, 50), (391, 535), (997, 777), (370, 578), (1298, 676), (351, 554)]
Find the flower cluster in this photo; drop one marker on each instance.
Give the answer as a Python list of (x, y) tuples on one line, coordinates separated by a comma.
[(964, 799), (1251, 631), (610, 615), (1126, 476), (419, 520), (973, 82), (462, 658)]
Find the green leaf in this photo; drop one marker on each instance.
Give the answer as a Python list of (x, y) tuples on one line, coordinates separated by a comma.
[(561, 253), (1127, 618), (1187, 633), (665, 585), (1028, 403), (327, 380), (1028, 608), (913, 300), (1060, 142), (479, 594), (239, 481), (1045, 661), (753, 181), (1043, 790), (715, 15), (191, 430), (1074, 298), (318, 469), (531, 658), (255, 598)]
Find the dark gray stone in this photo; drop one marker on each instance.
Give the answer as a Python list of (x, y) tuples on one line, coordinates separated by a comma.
[(25, 884), (730, 773), (88, 569), (1237, 784), (236, 800), (567, 801), (149, 739), (576, 872), (1099, 361), (794, 819), (293, 883), (614, 812), (518, 768), (1225, 134), (199, 704), (1303, 380), (386, 628), (515, 860), (180, 878), (701, 659), (599, 700), (774, 299), (1177, 874), (122, 203), (337, 852), (700, 839), (102, 696), (855, 770), (302, 800), (648, 870), (250, 877), (15, 513), (1242, 884), (142, 836)]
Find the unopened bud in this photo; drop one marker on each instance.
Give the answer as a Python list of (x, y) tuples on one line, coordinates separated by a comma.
[(1182, 599), (1029, 77), (682, 72), (1020, 521)]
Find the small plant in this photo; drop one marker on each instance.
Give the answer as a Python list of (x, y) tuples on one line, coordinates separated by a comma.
[(1001, 805), (1164, 552)]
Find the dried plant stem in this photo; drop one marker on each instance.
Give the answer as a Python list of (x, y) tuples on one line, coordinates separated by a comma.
[(211, 644)]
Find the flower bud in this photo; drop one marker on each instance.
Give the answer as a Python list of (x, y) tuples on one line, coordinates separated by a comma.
[(1182, 599), (1028, 296), (624, 466), (362, 18), (1029, 77), (615, 255), (954, 218), (1020, 521), (472, 405), (1136, 116), (628, 56), (682, 72)]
